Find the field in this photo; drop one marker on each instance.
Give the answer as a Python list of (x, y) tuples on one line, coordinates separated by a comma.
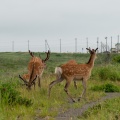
[(17, 103)]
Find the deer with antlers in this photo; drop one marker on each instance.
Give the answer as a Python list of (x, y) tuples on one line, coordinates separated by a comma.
[(73, 72), (36, 67)]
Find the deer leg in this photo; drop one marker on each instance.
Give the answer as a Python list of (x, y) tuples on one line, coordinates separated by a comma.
[(53, 83), (66, 90), (39, 83), (34, 85), (84, 89), (75, 85)]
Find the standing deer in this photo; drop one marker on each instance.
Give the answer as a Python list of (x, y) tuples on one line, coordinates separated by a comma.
[(36, 67), (71, 72)]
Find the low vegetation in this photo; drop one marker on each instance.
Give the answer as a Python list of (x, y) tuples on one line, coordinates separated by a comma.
[(106, 88), (16, 102), (10, 96)]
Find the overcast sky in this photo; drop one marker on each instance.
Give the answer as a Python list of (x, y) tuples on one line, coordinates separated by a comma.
[(52, 20)]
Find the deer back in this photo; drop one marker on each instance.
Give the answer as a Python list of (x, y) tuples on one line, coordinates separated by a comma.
[(38, 66), (80, 70)]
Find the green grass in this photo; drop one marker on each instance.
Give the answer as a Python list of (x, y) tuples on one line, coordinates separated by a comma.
[(108, 110), (13, 64)]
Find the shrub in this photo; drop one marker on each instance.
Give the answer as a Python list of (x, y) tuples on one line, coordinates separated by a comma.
[(107, 73), (106, 88), (116, 59), (11, 97)]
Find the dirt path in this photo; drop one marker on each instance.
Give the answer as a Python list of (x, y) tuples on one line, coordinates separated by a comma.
[(71, 114)]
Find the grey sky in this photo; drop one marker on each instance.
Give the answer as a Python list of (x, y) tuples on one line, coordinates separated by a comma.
[(38, 20)]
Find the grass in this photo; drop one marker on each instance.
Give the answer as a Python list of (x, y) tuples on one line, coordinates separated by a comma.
[(108, 110), (13, 64)]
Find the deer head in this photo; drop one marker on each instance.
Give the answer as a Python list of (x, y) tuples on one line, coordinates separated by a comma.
[(91, 51), (31, 81), (35, 69)]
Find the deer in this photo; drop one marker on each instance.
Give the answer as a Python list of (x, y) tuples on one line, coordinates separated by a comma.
[(36, 67), (71, 62), (74, 72)]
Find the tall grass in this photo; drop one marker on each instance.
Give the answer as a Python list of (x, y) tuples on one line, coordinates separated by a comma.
[(107, 72)]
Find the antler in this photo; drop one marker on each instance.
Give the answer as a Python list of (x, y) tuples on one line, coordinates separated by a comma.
[(31, 53), (34, 80), (23, 80), (48, 56), (88, 49), (92, 49), (96, 49)]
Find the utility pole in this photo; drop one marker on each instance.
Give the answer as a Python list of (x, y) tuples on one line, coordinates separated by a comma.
[(45, 45), (60, 45), (97, 43), (118, 44), (75, 45), (82, 50), (118, 39), (101, 47), (111, 44), (12, 46), (106, 43), (87, 43), (28, 45)]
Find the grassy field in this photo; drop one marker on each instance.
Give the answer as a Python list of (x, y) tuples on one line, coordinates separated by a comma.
[(35, 104)]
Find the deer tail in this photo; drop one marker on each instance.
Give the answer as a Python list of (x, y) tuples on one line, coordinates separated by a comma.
[(58, 71)]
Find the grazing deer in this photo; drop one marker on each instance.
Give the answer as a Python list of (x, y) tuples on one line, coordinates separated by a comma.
[(74, 72), (35, 70)]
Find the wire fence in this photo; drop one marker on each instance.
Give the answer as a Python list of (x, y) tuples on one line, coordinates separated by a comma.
[(57, 45)]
